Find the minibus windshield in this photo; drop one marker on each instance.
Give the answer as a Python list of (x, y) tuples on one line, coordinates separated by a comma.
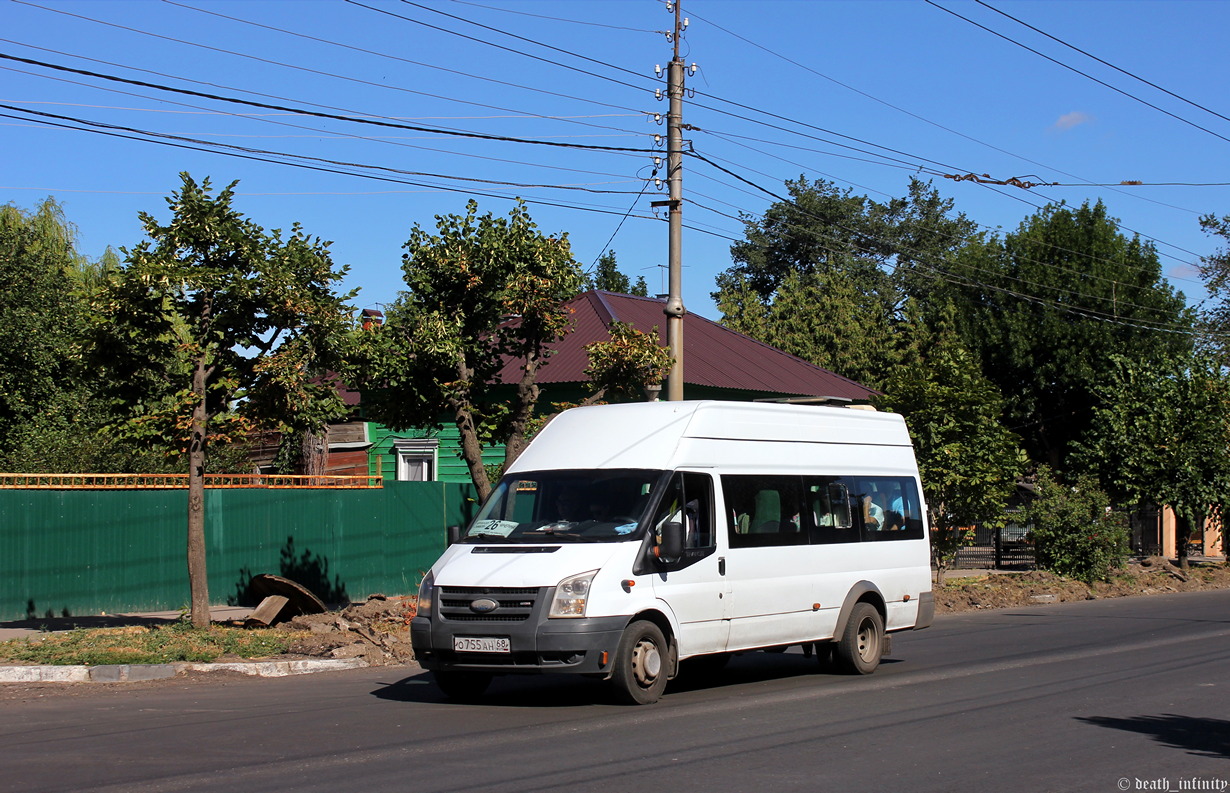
[(566, 506)]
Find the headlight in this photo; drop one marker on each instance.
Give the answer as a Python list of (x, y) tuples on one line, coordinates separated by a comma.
[(426, 591), (571, 595)]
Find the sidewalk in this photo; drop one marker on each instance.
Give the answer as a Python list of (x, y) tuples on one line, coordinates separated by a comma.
[(131, 673)]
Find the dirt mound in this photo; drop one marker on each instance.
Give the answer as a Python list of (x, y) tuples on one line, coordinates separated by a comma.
[(1151, 576), (378, 631)]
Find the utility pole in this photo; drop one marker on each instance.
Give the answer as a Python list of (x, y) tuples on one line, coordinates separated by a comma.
[(674, 171)]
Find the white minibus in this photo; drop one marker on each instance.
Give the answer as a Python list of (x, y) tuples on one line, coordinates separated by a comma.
[(627, 539)]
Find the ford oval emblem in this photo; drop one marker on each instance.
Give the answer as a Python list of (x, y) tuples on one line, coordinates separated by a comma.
[(484, 606)]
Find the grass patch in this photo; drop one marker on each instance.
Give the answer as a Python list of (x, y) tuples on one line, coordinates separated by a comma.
[(161, 644)]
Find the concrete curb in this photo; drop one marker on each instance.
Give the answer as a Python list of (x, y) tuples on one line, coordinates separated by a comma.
[(132, 673)]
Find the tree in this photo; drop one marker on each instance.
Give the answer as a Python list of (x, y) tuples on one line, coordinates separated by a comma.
[(41, 317), (212, 319), (827, 275), (480, 291), (824, 318), (1046, 307), (967, 460), (1075, 531), (1159, 436), (608, 277), (1215, 270)]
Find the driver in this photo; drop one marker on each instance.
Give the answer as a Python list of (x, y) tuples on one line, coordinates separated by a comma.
[(570, 505)]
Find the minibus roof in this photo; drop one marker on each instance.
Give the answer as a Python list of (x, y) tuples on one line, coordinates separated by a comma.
[(649, 434)]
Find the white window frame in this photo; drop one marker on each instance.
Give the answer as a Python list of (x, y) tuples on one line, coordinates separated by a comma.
[(414, 453)]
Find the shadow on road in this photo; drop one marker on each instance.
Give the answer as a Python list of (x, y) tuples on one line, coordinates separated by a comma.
[(560, 691), (69, 623), (1200, 736)]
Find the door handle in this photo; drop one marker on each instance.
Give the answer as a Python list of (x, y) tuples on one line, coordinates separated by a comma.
[(721, 565)]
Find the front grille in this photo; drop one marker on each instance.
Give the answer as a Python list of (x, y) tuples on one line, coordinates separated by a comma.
[(468, 617), (516, 604)]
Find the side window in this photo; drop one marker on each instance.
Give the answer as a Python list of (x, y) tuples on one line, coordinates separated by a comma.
[(698, 510), (765, 511), (688, 499), (829, 501), (888, 507)]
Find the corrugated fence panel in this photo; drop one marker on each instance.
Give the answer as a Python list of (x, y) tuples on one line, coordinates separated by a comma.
[(87, 551)]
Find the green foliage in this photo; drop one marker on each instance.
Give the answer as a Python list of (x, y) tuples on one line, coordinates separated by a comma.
[(967, 459), (608, 277), (480, 291), (1075, 532), (1047, 357), (826, 319), (211, 292), (178, 641), (41, 314), (1215, 270), (1160, 432), (822, 229), (624, 365), (827, 275)]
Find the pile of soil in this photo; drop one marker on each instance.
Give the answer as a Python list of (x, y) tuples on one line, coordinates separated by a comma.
[(378, 631), (1152, 576)]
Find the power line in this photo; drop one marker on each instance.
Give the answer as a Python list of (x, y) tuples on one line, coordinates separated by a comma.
[(261, 117), (1078, 71), (529, 41), (950, 237), (250, 150), (369, 176), (1093, 313), (555, 19), (273, 62), (925, 120), (1103, 62), (333, 116), (394, 58), (204, 112), (491, 43)]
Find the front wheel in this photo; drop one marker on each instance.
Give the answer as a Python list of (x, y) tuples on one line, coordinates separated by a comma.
[(641, 664), (858, 651)]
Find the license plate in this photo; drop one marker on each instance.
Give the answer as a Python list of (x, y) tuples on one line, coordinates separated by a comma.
[(481, 644)]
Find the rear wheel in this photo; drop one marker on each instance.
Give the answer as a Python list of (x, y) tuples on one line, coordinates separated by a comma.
[(462, 686), (858, 650), (641, 664)]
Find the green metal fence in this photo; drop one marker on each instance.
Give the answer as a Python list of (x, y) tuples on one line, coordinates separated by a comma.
[(76, 552)]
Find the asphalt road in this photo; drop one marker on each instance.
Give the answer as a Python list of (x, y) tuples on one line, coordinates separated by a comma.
[(1129, 694)]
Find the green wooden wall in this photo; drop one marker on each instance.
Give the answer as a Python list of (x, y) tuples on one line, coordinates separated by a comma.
[(383, 461), (81, 552)]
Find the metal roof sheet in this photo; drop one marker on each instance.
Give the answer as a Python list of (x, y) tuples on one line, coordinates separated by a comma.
[(713, 355)]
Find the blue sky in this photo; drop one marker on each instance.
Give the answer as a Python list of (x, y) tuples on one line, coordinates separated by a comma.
[(862, 93)]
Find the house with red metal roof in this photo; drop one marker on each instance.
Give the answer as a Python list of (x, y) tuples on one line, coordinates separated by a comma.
[(718, 363)]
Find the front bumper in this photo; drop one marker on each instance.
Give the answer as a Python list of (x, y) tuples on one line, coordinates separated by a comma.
[(538, 645)]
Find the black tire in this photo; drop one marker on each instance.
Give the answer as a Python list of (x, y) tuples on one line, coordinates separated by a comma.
[(642, 664), (462, 686), (858, 650)]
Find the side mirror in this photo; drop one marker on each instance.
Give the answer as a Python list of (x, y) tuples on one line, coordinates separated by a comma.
[(671, 547), (454, 534)]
